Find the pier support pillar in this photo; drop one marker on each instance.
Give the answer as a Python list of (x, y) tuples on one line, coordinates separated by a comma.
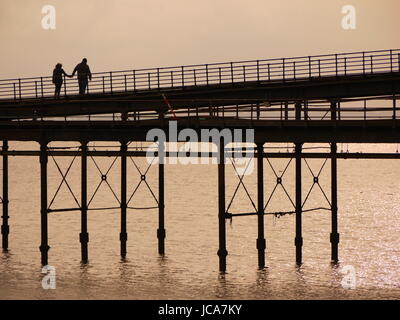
[(334, 237), (44, 246), (161, 203), (123, 236), (5, 228), (299, 238), (260, 203), (84, 235), (222, 252)]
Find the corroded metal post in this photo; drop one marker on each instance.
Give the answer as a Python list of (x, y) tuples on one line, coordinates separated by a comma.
[(5, 228), (334, 237), (222, 252), (44, 246), (123, 236), (161, 204), (260, 203), (84, 235), (299, 238)]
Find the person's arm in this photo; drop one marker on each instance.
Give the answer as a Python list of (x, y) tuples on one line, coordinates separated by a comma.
[(89, 73), (54, 73), (65, 74), (73, 73)]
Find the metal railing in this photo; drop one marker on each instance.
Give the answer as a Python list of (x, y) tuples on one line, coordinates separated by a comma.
[(181, 77)]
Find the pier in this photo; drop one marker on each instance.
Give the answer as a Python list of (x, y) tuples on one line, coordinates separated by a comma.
[(325, 99)]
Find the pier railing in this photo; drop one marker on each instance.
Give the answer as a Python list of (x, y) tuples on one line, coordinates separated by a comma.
[(181, 77)]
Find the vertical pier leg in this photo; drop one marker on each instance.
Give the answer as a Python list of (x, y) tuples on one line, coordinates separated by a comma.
[(44, 246), (222, 252), (5, 229), (84, 235), (260, 195), (161, 204), (299, 238), (123, 236), (334, 237)]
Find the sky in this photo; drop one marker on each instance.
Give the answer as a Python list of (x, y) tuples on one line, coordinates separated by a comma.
[(129, 34)]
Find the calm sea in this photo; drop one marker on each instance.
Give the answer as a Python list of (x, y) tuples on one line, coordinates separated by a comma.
[(369, 226)]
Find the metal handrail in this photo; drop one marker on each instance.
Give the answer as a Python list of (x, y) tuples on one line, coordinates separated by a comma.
[(227, 73)]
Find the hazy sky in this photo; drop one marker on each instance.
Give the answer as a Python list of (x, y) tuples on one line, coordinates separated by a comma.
[(127, 34)]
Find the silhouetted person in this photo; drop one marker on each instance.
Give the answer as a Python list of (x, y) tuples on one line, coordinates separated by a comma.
[(58, 73), (83, 75)]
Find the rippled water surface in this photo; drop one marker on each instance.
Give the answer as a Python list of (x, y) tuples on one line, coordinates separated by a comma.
[(369, 226)]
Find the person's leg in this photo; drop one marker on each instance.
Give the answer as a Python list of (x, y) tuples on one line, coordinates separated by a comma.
[(58, 89), (85, 83), (81, 87)]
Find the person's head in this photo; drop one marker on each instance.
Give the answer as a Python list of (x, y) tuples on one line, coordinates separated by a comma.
[(84, 60), (58, 66)]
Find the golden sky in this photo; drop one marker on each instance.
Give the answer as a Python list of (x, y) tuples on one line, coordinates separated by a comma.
[(127, 34)]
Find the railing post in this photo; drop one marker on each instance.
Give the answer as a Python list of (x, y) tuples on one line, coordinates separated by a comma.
[(219, 75), (244, 73), (149, 80), (36, 92), (183, 77), (111, 83), (134, 80), (283, 66), (232, 80), (41, 85), (309, 67), (126, 86), (333, 111), (298, 110), (398, 61), (336, 64), (207, 74), (394, 108), (172, 79), (345, 66), (294, 69), (194, 77), (15, 92), (269, 73), (319, 68), (65, 86), (258, 71), (391, 60), (363, 62), (104, 88), (158, 78), (19, 89)]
